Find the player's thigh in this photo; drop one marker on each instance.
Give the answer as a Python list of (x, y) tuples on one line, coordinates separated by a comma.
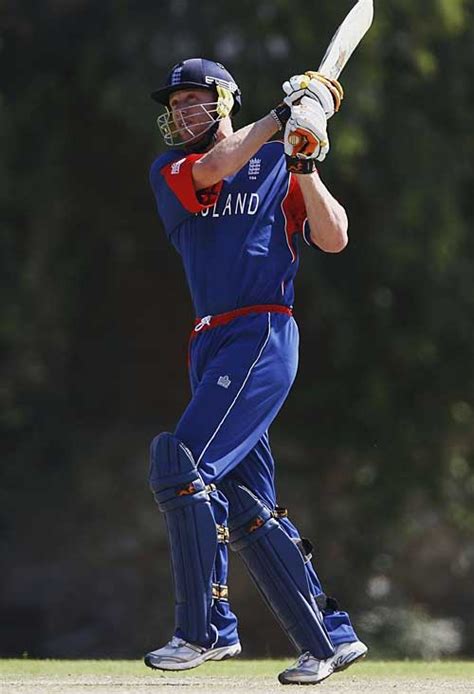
[(237, 400)]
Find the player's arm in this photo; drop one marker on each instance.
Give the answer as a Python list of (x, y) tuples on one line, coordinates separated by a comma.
[(312, 102), (327, 218), (233, 152)]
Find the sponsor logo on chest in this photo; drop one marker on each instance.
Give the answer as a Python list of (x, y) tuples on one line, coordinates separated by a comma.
[(234, 204)]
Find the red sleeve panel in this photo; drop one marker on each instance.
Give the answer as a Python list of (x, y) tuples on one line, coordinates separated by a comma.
[(294, 213), (179, 179)]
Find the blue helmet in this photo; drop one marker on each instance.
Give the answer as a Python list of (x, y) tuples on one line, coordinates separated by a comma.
[(198, 72)]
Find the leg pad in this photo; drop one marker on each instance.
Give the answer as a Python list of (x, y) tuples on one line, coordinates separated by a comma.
[(277, 566), (184, 499)]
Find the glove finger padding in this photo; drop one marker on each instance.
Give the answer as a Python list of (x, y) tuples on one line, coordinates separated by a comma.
[(294, 89), (328, 92), (333, 86), (305, 133)]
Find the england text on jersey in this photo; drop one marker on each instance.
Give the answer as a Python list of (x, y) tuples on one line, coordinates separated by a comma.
[(234, 203)]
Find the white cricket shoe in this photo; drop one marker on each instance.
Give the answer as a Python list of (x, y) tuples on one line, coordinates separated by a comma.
[(310, 670), (181, 655), (307, 670)]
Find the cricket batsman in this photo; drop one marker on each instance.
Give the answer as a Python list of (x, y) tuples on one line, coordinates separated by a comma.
[(234, 205)]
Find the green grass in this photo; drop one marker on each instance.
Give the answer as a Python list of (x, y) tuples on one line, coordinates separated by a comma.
[(26, 668)]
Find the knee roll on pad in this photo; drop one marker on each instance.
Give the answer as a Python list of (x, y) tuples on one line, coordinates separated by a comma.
[(184, 499), (277, 566)]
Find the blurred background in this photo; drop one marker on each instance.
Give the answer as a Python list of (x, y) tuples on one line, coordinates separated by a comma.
[(375, 445)]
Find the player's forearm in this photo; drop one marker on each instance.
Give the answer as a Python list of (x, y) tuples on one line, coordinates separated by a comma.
[(232, 153), (327, 218)]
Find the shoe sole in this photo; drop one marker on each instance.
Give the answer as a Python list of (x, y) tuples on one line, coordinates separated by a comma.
[(171, 667), (217, 654), (230, 652), (303, 682)]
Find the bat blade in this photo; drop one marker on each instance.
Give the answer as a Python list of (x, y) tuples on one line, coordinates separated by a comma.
[(347, 38)]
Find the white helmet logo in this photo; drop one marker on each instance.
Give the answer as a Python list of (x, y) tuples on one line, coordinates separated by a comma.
[(231, 86)]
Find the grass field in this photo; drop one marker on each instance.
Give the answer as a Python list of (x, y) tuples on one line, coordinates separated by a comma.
[(124, 677)]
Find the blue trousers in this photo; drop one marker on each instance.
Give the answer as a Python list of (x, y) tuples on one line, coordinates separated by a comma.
[(240, 375)]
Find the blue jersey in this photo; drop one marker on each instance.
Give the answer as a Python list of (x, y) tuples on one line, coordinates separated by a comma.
[(238, 238)]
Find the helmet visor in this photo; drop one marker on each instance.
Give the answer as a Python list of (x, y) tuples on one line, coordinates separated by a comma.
[(187, 125)]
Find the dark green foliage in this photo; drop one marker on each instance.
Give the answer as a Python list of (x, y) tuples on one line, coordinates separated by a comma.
[(375, 446)]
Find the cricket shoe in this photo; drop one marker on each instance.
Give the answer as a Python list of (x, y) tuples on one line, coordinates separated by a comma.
[(310, 670), (181, 655), (307, 670)]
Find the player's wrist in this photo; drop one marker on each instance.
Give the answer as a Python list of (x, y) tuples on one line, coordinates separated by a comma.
[(298, 165), (281, 115)]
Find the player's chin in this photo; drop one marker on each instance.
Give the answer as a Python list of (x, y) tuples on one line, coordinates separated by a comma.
[(189, 136), (194, 139), (195, 132)]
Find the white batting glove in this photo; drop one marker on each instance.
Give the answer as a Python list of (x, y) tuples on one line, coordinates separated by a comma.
[(306, 134), (328, 92)]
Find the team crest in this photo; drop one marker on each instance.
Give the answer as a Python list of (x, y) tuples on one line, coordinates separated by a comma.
[(254, 168)]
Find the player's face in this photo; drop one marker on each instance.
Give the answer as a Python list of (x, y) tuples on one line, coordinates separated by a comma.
[(190, 111)]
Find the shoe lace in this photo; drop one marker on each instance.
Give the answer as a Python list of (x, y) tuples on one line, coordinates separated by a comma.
[(302, 659), (177, 642)]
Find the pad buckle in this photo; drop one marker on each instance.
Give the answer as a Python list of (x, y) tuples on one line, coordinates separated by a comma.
[(223, 534), (220, 592), (280, 512)]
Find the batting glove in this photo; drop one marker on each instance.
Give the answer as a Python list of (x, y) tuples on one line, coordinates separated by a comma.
[(306, 140)]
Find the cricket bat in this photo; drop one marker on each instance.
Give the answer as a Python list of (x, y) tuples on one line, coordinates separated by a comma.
[(347, 38)]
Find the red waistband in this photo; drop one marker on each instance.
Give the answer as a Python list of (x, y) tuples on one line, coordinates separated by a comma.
[(208, 322)]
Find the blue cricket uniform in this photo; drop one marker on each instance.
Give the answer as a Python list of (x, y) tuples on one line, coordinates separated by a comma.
[(238, 243)]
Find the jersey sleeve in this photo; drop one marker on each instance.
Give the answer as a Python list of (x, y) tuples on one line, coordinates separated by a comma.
[(175, 195)]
